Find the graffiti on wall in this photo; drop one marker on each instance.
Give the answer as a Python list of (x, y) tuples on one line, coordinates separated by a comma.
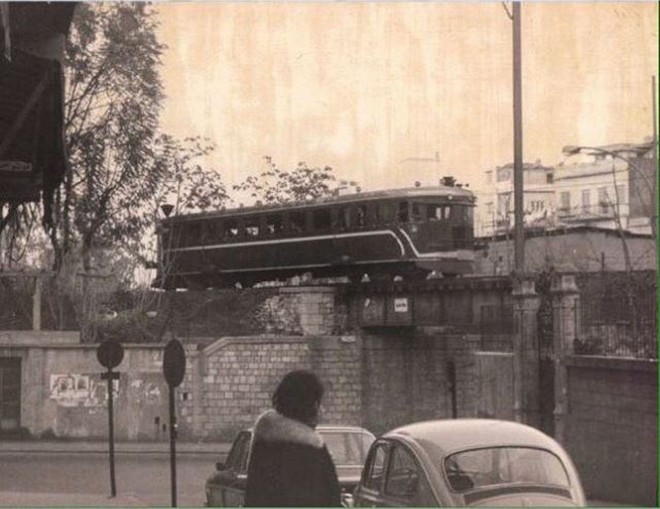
[(146, 392), (73, 390)]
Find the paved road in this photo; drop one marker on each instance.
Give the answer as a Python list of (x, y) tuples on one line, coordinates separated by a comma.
[(144, 477)]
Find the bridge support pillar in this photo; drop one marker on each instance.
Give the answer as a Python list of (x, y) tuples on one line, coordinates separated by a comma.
[(315, 308), (526, 304)]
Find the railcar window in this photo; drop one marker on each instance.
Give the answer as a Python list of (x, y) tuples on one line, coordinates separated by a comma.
[(274, 225), (344, 218), (321, 219), (361, 215), (439, 212), (297, 222), (214, 231), (418, 211), (231, 229), (193, 233), (252, 228), (173, 237), (403, 212), (386, 211), (459, 212), (374, 214)]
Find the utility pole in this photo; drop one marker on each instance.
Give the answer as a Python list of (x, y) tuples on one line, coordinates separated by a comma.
[(654, 181), (519, 231)]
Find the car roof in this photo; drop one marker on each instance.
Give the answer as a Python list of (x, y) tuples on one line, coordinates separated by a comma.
[(450, 435), (337, 427), (332, 427)]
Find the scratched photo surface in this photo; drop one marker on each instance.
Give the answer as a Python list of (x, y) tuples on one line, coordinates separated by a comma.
[(446, 210)]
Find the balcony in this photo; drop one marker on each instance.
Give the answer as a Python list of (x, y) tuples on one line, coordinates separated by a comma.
[(585, 214)]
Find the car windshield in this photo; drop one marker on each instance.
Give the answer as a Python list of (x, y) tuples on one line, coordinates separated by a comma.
[(347, 448), (504, 465)]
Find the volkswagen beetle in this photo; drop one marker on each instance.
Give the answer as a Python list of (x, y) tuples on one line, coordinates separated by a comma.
[(468, 462)]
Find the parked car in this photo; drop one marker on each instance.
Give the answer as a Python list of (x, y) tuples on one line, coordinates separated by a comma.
[(348, 446), (468, 462)]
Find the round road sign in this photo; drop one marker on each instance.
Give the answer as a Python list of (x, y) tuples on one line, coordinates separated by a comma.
[(110, 354), (174, 363)]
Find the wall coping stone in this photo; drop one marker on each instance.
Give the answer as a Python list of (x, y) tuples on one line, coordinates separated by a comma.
[(252, 340), (43, 337), (618, 363)]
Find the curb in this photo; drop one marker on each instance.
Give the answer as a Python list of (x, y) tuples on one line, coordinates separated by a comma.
[(211, 449)]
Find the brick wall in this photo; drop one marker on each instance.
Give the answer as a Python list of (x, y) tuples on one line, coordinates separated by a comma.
[(612, 426), (236, 378)]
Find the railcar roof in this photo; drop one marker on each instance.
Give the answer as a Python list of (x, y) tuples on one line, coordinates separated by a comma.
[(410, 192)]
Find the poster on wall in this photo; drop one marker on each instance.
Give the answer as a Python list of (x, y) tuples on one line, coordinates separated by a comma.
[(72, 390)]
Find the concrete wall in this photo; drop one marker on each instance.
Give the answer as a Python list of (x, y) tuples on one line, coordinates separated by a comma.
[(63, 395), (612, 427), (406, 377), (580, 249)]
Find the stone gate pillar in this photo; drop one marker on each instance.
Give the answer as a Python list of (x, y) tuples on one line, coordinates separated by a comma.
[(566, 324), (526, 304)]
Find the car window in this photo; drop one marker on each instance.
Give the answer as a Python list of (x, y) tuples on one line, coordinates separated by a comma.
[(403, 475), (406, 480), (347, 448), (237, 458), (504, 465), (375, 470)]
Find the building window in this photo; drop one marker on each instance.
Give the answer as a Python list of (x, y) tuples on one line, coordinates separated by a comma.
[(503, 174), (565, 201), (586, 200), (489, 209), (549, 178), (621, 197), (604, 202)]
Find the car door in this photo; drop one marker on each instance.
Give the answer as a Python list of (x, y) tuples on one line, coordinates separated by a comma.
[(369, 491), (233, 490), (405, 483)]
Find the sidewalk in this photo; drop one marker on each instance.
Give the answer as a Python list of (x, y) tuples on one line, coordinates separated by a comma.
[(76, 447), (20, 499)]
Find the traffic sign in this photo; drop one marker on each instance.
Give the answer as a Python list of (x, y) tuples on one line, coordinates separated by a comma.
[(110, 354), (174, 363)]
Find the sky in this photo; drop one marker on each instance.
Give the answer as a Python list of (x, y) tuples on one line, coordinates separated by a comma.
[(389, 93)]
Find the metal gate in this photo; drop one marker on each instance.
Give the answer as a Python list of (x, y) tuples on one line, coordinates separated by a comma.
[(10, 394)]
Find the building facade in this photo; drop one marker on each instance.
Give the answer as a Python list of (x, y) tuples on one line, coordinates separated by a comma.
[(496, 212), (612, 187)]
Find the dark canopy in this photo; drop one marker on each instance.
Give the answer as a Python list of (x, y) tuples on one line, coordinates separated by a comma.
[(32, 150)]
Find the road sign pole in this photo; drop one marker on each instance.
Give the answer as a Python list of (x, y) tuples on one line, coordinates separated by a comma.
[(173, 445), (110, 355), (174, 369), (111, 435)]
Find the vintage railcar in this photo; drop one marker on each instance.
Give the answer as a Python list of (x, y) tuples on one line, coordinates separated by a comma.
[(406, 232)]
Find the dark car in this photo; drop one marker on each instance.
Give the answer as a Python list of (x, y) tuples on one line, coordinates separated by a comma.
[(468, 462), (348, 446)]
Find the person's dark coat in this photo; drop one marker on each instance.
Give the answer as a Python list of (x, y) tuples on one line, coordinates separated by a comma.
[(289, 466)]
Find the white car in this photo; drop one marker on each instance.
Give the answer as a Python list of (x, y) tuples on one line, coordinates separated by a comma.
[(348, 446)]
